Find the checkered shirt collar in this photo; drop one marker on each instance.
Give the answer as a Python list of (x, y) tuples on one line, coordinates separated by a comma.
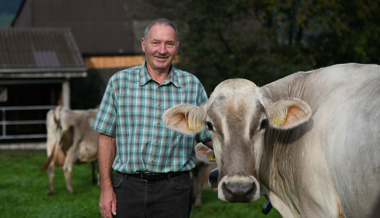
[(172, 78)]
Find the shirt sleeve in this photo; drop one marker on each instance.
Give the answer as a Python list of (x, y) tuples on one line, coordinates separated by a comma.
[(105, 121)]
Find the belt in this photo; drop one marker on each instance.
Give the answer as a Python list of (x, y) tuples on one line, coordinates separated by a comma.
[(153, 176)]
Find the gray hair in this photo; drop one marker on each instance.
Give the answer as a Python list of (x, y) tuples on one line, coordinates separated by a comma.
[(162, 21)]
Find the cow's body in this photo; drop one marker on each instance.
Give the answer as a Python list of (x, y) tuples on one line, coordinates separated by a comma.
[(319, 155), (70, 139), (200, 173), (199, 179)]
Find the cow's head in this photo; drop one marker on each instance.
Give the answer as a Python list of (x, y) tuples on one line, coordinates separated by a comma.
[(237, 116)]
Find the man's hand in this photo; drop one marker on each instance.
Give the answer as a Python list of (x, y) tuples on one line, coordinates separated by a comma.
[(107, 203), (106, 155)]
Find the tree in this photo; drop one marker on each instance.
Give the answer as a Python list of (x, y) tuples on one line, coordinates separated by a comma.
[(263, 40), (326, 32)]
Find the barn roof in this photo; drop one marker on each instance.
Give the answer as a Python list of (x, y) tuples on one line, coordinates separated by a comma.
[(100, 27), (37, 52)]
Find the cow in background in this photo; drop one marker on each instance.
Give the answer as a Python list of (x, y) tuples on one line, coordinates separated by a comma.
[(199, 175), (70, 139)]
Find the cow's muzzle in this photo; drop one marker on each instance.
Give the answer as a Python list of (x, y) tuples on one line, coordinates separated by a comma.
[(239, 189), (213, 178)]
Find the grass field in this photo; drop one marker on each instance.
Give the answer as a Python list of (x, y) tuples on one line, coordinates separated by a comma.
[(23, 193)]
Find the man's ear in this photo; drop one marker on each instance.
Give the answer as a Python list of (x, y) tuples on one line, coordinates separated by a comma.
[(288, 113), (177, 48), (185, 118), (143, 44)]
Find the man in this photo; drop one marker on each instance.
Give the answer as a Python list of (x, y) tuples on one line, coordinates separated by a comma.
[(151, 162)]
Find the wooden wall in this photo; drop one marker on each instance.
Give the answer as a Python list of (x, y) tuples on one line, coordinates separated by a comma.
[(113, 61)]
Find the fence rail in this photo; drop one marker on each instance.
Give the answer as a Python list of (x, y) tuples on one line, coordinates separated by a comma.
[(5, 123)]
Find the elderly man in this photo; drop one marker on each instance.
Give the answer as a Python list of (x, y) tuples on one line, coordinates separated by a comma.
[(151, 162)]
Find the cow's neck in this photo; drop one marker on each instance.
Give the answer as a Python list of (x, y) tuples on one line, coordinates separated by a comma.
[(278, 168), (287, 87), (280, 164)]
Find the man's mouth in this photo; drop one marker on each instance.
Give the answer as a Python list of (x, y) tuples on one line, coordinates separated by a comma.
[(162, 57)]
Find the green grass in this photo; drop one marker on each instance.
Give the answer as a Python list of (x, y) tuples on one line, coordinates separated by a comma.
[(24, 189), (23, 193), (214, 208)]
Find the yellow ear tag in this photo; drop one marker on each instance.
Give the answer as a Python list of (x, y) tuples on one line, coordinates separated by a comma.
[(212, 158), (275, 122), (283, 121), (196, 127)]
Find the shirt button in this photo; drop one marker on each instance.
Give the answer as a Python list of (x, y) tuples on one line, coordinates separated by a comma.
[(159, 105), (157, 124), (152, 161)]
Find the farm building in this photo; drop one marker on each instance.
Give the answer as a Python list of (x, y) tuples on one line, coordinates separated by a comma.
[(36, 66), (106, 36)]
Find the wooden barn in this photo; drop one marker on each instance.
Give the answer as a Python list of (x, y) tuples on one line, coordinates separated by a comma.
[(108, 33), (36, 65), (106, 36)]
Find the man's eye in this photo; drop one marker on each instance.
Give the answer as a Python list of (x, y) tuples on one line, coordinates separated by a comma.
[(169, 45), (209, 126)]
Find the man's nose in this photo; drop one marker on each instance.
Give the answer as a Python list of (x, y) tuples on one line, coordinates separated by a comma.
[(162, 49)]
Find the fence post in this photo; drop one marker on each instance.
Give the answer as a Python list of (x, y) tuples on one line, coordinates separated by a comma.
[(3, 122), (66, 93)]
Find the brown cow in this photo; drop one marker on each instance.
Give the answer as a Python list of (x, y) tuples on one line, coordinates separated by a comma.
[(70, 139)]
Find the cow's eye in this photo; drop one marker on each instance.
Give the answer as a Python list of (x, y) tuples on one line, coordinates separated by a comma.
[(264, 124), (209, 126)]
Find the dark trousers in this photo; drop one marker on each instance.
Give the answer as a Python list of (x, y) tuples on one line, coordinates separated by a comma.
[(164, 198)]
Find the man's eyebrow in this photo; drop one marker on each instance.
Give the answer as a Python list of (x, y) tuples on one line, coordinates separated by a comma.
[(157, 40)]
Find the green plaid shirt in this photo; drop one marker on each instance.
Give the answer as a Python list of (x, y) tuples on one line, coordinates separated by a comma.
[(132, 109)]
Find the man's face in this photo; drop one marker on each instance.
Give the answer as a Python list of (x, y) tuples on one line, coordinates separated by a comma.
[(160, 47)]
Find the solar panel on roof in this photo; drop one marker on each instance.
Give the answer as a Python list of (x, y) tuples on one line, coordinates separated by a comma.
[(46, 59)]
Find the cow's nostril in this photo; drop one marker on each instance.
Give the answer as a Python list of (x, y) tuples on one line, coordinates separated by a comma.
[(213, 178), (239, 191)]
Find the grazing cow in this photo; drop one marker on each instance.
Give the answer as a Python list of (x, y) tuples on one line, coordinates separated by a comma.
[(311, 140), (70, 139)]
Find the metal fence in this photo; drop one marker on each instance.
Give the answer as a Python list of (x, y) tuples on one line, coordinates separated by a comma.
[(7, 123)]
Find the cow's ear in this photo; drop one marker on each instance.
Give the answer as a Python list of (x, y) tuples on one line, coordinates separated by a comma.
[(288, 113), (204, 153), (185, 118)]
